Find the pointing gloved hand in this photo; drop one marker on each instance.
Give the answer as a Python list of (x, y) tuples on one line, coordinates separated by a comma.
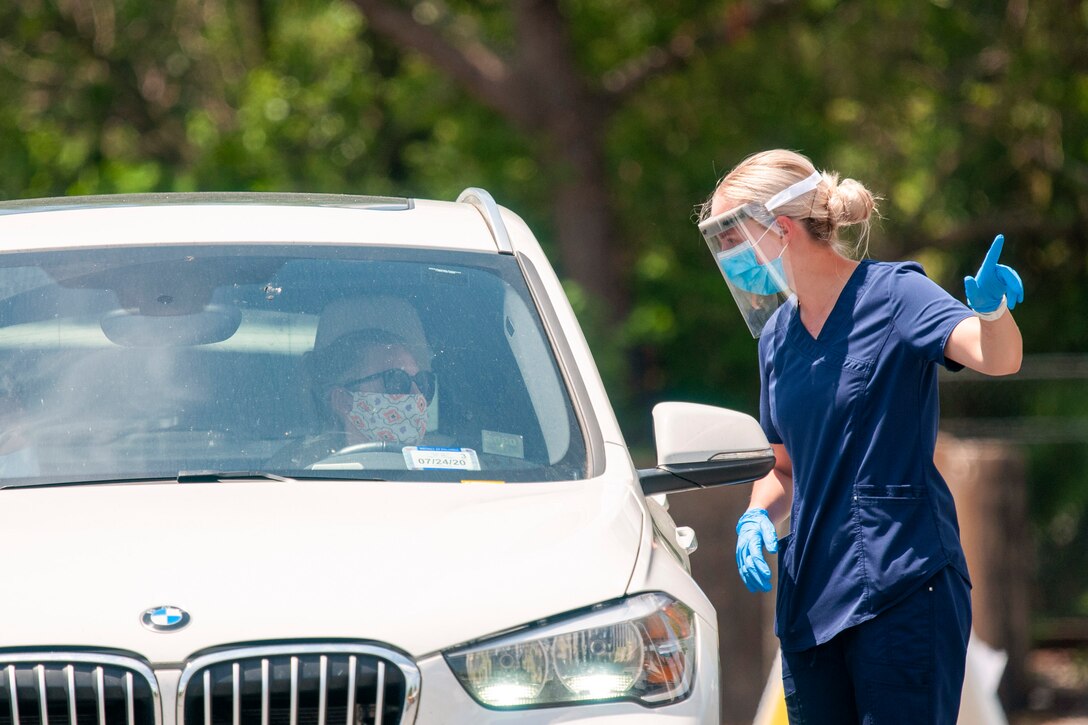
[(755, 530), (992, 282)]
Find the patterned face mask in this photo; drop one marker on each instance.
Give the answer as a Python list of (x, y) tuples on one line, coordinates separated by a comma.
[(399, 419)]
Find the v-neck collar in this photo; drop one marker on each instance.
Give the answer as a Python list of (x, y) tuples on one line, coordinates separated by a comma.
[(855, 284)]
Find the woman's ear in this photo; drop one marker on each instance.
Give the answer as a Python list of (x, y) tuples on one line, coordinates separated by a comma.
[(787, 225)]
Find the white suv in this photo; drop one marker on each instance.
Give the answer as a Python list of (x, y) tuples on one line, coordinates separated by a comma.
[(218, 511)]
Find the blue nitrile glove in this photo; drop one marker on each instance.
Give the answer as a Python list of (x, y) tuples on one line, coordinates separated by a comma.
[(993, 281), (755, 530)]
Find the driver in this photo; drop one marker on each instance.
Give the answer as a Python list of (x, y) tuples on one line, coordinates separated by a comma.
[(371, 388)]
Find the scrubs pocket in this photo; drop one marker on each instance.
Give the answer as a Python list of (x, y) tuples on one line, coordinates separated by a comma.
[(899, 538), (890, 492), (895, 651), (814, 388), (911, 655), (857, 366), (785, 586)]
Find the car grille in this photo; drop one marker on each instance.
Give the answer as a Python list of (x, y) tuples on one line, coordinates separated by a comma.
[(321, 684), (70, 688)]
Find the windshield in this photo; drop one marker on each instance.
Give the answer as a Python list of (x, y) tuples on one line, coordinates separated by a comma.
[(316, 361)]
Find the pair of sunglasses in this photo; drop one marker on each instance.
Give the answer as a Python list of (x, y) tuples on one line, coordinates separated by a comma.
[(398, 382)]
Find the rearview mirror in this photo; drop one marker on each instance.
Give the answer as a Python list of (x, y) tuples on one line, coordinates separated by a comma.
[(214, 323), (699, 446)]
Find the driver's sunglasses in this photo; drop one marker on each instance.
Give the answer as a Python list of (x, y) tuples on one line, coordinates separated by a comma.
[(398, 382)]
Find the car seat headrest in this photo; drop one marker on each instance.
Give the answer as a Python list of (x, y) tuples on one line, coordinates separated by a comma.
[(380, 312)]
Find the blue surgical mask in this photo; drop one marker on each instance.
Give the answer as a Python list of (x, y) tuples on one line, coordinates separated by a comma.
[(743, 269)]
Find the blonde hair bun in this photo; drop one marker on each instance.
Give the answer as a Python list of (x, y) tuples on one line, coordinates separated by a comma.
[(848, 203)]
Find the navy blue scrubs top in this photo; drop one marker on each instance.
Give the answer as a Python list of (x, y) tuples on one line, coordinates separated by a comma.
[(857, 409)]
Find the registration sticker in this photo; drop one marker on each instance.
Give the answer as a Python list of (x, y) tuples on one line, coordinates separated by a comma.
[(503, 444), (422, 458)]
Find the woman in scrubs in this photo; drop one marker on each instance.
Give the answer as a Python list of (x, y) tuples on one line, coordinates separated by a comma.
[(873, 602)]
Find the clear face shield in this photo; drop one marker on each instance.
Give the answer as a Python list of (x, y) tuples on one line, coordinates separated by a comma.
[(747, 244)]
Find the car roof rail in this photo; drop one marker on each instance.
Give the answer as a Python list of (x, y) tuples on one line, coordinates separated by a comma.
[(485, 204)]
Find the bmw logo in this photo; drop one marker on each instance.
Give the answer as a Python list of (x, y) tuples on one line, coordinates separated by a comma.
[(164, 619)]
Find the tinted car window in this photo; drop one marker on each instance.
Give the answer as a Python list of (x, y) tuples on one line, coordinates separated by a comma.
[(132, 362)]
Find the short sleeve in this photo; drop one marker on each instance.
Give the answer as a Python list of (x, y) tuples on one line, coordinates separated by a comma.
[(925, 314), (766, 422)]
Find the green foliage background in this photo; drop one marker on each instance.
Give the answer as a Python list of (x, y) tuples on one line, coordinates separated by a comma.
[(968, 119)]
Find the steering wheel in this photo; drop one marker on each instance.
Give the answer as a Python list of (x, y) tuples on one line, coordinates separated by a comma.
[(367, 447)]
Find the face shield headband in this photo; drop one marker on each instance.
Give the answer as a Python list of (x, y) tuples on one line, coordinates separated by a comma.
[(747, 244)]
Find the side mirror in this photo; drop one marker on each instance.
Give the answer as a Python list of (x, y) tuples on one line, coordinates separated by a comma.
[(699, 446)]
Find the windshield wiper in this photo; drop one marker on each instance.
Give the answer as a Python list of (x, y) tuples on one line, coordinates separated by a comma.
[(182, 477), (85, 482), (218, 476)]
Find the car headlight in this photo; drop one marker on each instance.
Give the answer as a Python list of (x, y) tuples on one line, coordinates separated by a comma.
[(640, 649)]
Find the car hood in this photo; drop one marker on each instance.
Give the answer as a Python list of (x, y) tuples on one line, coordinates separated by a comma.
[(417, 566)]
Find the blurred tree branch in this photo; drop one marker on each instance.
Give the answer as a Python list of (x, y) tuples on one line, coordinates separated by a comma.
[(724, 27), (541, 89)]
